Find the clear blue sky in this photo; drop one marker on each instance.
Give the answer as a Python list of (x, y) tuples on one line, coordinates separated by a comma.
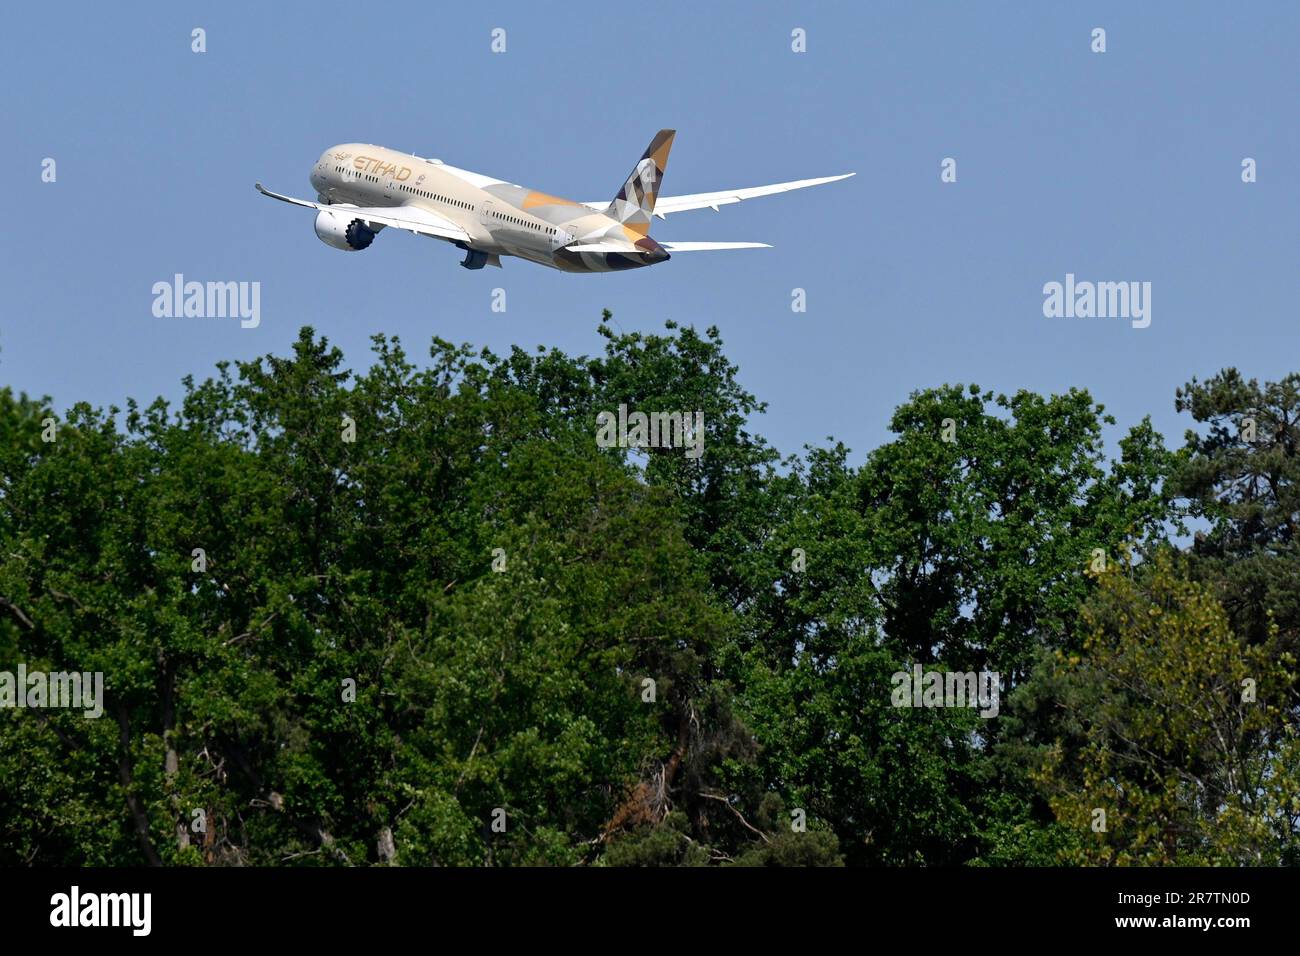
[(1116, 166)]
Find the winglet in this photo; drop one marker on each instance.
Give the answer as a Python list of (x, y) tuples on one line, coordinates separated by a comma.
[(289, 199)]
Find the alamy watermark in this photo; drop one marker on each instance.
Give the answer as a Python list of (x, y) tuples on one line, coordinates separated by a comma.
[(651, 430), (37, 689), (75, 908), (934, 688), (208, 300), (1099, 300)]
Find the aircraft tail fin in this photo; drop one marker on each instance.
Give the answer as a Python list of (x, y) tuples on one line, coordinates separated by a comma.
[(635, 202)]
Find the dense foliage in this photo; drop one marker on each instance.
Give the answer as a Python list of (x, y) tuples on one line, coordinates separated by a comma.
[(418, 616)]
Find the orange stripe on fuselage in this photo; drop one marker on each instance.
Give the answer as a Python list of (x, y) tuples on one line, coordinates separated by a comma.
[(542, 199)]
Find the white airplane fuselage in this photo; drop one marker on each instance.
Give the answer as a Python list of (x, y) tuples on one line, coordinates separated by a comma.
[(363, 189), (500, 218)]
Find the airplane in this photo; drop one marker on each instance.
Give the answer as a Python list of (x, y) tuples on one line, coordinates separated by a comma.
[(362, 189)]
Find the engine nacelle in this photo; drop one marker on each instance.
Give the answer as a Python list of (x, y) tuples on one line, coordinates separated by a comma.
[(342, 231)]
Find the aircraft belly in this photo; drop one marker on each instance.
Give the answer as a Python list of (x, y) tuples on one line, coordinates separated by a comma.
[(520, 247), (596, 261)]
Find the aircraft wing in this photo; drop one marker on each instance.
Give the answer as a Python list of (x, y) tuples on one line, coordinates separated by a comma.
[(416, 219), (669, 204)]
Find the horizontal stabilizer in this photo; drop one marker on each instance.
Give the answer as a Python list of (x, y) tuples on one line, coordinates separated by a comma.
[(711, 246)]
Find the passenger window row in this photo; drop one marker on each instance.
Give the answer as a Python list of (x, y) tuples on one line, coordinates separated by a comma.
[(458, 203)]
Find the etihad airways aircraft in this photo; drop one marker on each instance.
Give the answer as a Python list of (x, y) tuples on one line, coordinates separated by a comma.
[(362, 189)]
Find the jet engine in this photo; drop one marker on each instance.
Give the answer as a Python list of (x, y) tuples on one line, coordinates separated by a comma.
[(339, 230)]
